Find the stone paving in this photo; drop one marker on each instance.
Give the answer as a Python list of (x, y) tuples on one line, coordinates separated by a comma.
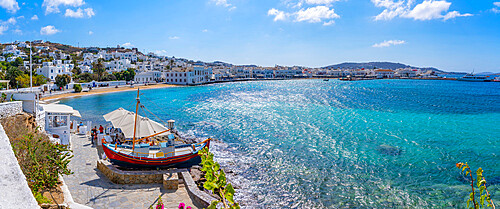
[(90, 187)]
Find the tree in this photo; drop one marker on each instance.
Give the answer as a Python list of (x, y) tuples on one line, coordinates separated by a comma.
[(62, 80), (12, 74), (77, 88), (129, 74), (18, 62), (23, 80), (98, 69), (39, 80), (76, 71)]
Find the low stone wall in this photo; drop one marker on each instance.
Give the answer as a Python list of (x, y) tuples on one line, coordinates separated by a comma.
[(8, 109), (198, 196), (118, 176)]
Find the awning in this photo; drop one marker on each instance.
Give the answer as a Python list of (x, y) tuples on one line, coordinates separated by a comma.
[(125, 120), (60, 108), (76, 114)]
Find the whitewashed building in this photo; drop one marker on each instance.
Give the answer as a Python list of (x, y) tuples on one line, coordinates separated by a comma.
[(118, 65), (188, 76), (148, 77), (51, 69), (384, 73)]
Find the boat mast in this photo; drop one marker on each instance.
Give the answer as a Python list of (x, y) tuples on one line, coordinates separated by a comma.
[(135, 121)]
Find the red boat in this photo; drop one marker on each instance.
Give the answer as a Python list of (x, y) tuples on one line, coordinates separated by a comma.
[(146, 148), (144, 155)]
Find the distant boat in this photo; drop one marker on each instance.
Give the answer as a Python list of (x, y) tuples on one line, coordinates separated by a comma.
[(497, 79), (474, 78), (326, 79)]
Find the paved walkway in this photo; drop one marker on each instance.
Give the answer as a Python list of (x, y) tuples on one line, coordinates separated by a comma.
[(90, 187)]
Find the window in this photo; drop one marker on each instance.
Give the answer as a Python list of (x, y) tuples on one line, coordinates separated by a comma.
[(51, 71), (184, 80), (57, 121)]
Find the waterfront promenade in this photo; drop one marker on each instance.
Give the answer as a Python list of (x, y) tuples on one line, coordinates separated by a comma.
[(90, 187)]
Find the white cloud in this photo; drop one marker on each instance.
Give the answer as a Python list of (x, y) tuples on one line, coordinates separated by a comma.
[(52, 6), (174, 37), (312, 14), (331, 22), (18, 31), (80, 13), (3, 28), (454, 14), (11, 21), (127, 45), (326, 2), (427, 10), (161, 52), (49, 30), (89, 12), (316, 14), (496, 10), (224, 4), (278, 15), (204, 30), (91, 32), (389, 43), (10, 5), (4, 25), (35, 17)]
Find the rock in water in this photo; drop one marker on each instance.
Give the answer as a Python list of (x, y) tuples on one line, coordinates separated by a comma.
[(389, 150)]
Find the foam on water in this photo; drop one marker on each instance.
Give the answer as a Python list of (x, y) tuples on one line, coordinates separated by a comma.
[(310, 143)]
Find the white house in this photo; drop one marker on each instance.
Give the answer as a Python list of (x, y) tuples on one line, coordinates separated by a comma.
[(118, 65), (383, 73), (188, 76), (406, 73), (148, 77), (51, 69)]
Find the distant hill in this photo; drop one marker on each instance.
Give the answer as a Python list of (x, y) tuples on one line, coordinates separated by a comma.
[(383, 65)]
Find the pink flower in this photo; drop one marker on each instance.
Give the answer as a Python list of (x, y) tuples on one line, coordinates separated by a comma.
[(181, 205), (188, 207)]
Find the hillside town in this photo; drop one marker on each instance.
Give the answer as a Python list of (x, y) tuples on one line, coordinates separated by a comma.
[(93, 66)]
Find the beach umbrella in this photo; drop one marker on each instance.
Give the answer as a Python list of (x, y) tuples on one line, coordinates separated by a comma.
[(125, 120)]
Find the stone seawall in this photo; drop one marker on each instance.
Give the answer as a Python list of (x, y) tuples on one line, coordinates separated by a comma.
[(15, 191), (8, 109)]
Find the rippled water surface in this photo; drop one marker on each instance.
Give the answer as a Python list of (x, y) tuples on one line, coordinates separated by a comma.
[(315, 143)]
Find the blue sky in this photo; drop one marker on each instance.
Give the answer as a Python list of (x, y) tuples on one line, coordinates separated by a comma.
[(452, 35)]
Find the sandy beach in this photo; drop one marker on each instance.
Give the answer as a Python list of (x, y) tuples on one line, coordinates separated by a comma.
[(104, 91)]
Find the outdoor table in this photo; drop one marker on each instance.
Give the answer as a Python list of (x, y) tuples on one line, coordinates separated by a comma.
[(83, 130)]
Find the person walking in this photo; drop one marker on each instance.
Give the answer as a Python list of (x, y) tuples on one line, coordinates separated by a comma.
[(101, 129)]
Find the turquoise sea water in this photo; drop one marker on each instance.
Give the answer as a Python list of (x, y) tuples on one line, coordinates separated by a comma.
[(312, 143)]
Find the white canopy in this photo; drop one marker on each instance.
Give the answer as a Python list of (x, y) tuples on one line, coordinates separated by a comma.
[(125, 120), (60, 108)]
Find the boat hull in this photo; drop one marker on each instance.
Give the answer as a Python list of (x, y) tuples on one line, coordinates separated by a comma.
[(473, 80), (130, 161)]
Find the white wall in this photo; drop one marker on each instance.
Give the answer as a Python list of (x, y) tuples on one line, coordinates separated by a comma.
[(15, 191)]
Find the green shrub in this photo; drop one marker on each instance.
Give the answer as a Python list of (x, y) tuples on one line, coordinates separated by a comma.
[(41, 161), (216, 182), (77, 88), (40, 198), (481, 195)]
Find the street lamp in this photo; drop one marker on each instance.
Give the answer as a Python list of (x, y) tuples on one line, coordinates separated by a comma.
[(31, 70)]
